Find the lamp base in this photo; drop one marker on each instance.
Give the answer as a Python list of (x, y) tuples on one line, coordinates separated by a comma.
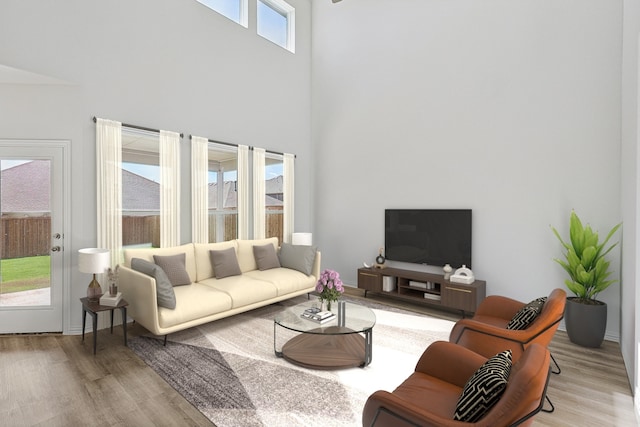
[(94, 291)]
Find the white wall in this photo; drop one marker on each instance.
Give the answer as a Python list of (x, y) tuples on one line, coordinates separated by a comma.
[(509, 108), (170, 64), (629, 188)]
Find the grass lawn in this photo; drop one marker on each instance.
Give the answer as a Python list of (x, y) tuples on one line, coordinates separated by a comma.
[(24, 274)]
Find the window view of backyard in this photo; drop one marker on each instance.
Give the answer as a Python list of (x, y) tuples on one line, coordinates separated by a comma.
[(25, 227), (141, 193)]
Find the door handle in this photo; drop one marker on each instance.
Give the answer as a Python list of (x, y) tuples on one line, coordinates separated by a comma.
[(56, 249)]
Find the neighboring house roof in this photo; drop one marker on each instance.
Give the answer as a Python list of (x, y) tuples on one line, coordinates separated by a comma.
[(139, 193), (25, 188), (230, 195)]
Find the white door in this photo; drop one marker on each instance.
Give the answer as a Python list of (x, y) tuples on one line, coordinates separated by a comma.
[(31, 236)]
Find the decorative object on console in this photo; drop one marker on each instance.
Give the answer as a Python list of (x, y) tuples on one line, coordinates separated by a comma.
[(447, 271), (462, 275), (588, 270), (93, 261), (304, 239), (330, 287), (380, 259)]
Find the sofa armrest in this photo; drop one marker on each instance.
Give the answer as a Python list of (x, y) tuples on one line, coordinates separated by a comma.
[(449, 362), (384, 409), (140, 292)]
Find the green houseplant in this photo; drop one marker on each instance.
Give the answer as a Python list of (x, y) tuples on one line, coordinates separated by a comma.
[(588, 269)]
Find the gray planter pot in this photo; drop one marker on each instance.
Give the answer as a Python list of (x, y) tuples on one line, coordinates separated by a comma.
[(586, 323)]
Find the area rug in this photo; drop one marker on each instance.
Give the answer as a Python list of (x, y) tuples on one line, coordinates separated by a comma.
[(228, 370)]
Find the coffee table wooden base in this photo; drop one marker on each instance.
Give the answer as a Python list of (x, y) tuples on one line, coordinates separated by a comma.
[(318, 351)]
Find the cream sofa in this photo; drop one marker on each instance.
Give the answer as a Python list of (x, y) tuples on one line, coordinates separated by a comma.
[(208, 298)]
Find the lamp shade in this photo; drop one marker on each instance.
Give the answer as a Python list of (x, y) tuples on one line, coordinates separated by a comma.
[(93, 260), (304, 239)]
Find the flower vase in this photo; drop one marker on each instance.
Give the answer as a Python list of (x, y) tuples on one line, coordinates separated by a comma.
[(328, 305)]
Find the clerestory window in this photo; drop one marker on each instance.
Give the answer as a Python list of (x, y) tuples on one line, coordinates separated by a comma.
[(276, 22), (236, 10)]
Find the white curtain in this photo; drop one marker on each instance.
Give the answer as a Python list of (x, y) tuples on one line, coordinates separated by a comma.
[(199, 190), (169, 189), (288, 196), (259, 194), (243, 192), (109, 187)]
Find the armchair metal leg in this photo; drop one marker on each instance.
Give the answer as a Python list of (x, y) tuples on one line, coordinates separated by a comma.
[(165, 339), (558, 370), (548, 410)]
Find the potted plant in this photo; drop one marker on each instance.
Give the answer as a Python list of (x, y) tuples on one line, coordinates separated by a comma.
[(585, 262)]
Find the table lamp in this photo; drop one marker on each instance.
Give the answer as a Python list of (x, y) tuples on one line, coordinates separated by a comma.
[(94, 261), (301, 239)]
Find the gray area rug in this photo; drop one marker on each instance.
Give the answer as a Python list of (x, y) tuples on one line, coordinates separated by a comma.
[(227, 369)]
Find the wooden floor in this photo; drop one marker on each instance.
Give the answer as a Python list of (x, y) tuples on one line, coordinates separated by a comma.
[(55, 380)]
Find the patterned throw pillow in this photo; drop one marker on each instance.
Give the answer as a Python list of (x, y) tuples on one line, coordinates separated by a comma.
[(484, 388), (527, 314), (174, 266)]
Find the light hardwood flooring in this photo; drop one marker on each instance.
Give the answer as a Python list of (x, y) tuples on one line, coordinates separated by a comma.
[(55, 380)]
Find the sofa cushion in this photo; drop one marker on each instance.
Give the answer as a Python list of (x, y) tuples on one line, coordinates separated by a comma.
[(193, 302), (297, 257), (225, 263), (246, 257), (285, 280), (527, 314), (266, 256), (484, 388), (175, 268), (148, 253), (204, 266), (243, 290), (164, 290)]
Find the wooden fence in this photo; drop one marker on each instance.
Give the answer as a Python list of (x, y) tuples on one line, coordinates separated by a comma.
[(31, 236), (25, 236)]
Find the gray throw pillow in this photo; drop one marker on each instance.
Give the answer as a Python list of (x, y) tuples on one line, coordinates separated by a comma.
[(174, 266), (266, 257), (297, 257), (225, 263), (164, 290)]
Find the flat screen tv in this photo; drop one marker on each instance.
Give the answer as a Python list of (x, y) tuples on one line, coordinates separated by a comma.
[(428, 236)]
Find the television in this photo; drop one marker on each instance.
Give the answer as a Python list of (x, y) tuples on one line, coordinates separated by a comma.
[(428, 236)]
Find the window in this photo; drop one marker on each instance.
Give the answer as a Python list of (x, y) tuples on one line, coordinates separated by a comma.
[(274, 205), (276, 22), (140, 189), (223, 193), (236, 10)]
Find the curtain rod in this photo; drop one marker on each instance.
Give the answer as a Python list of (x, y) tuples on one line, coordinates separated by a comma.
[(138, 127), (235, 145), (230, 144)]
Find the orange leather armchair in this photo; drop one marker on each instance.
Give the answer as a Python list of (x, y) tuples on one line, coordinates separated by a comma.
[(486, 332), (429, 396)]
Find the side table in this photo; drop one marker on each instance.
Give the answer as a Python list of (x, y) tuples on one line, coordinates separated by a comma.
[(93, 308)]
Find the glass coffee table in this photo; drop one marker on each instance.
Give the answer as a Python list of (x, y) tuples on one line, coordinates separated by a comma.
[(343, 342)]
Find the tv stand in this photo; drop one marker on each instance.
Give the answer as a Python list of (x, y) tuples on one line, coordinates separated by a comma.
[(425, 288)]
